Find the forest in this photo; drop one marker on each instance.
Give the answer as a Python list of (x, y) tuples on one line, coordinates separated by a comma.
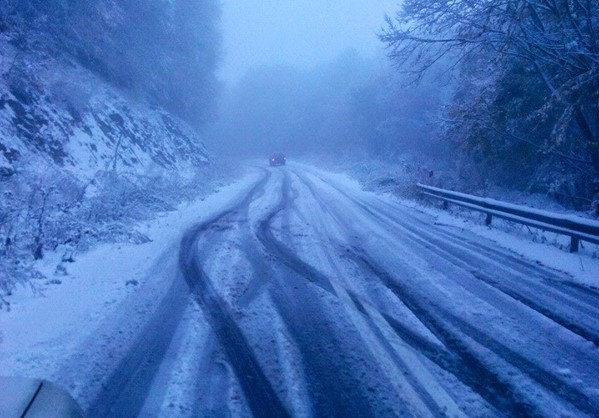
[(163, 51), (526, 103)]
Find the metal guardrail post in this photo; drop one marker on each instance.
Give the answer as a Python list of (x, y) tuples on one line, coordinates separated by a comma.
[(489, 219), (574, 244)]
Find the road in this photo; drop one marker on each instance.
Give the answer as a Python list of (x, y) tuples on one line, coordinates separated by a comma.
[(308, 297)]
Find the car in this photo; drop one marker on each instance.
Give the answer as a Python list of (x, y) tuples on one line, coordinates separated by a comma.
[(278, 158), (28, 398)]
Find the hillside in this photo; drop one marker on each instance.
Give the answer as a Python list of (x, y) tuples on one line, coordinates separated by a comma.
[(79, 160), (60, 113)]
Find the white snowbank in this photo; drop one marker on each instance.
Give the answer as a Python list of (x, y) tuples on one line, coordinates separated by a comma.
[(42, 331)]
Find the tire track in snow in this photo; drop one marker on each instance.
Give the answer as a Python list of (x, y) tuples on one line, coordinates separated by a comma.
[(529, 297), (328, 368), (127, 387), (409, 378), (544, 280), (260, 395), (470, 369), (446, 332), (282, 252), (454, 253)]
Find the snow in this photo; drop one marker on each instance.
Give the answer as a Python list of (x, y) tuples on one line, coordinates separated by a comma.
[(191, 344), (73, 332), (545, 248), (583, 267), (497, 327), (44, 330), (83, 118)]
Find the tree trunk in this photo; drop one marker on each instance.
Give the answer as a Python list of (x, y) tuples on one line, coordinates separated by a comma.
[(591, 138)]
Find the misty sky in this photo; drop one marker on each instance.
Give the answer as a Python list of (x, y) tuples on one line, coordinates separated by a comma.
[(297, 32)]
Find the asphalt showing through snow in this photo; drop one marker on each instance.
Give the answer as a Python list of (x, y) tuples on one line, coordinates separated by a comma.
[(323, 300)]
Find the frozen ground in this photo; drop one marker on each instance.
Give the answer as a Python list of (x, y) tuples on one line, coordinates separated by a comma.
[(295, 292)]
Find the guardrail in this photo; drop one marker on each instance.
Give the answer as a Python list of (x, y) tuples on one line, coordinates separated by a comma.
[(577, 229)]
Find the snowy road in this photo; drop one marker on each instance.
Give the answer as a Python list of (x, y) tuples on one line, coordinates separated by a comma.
[(310, 297)]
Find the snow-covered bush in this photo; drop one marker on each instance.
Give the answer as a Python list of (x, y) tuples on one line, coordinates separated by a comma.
[(50, 210)]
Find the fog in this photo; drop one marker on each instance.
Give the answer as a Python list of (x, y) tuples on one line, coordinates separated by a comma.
[(336, 78), (349, 105), (309, 78), (297, 33)]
